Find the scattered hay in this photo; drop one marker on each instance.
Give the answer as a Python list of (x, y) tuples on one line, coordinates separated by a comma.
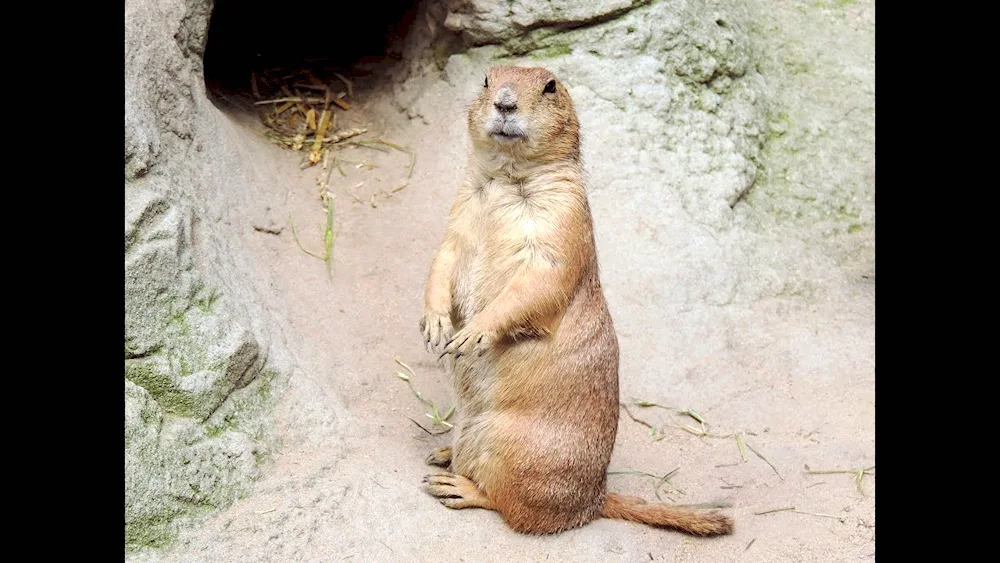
[(773, 510), (435, 415), (805, 512), (739, 444), (758, 454), (328, 237), (660, 480), (299, 108), (742, 446), (859, 474), (821, 515), (700, 432), (296, 120), (653, 432), (686, 412)]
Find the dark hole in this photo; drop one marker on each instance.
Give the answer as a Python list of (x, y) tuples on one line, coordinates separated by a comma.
[(721, 23), (254, 47)]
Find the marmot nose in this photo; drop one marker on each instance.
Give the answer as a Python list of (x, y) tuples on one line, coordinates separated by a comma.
[(505, 106)]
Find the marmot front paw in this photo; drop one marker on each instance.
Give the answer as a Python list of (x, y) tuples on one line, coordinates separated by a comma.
[(436, 328), (471, 340)]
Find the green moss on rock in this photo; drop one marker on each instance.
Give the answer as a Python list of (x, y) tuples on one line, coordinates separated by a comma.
[(179, 469), (146, 374), (551, 51)]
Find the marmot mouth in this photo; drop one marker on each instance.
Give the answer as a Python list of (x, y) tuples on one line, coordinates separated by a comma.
[(506, 136), (506, 129)]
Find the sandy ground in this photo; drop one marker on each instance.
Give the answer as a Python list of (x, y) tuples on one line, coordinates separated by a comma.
[(796, 375)]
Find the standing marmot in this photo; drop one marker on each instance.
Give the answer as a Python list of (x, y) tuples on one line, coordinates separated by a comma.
[(514, 295)]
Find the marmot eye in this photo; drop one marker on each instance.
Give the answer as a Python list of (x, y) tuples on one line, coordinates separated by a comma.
[(550, 87), (486, 83)]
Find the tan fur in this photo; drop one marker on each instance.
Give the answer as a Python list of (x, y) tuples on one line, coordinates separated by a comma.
[(515, 297)]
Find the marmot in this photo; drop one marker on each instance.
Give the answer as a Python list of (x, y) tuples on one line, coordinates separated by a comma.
[(515, 296)]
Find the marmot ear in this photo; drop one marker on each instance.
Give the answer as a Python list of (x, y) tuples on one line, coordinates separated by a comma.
[(550, 87)]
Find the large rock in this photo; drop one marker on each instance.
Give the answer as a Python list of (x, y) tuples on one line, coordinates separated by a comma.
[(184, 348), (488, 21), (200, 368)]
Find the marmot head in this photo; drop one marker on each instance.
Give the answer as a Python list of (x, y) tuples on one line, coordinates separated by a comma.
[(525, 113)]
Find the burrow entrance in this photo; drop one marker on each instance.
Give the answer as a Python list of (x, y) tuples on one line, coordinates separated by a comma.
[(256, 48), (297, 70), (302, 75)]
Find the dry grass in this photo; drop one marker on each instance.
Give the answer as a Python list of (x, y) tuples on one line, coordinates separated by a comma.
[(859, 474), (438, 418), (299, 108)]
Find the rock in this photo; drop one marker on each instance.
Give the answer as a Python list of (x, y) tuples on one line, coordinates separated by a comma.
[(487, 21), (184, 348), (177, 468), (199, 382), (157, 95), (188, 356)]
